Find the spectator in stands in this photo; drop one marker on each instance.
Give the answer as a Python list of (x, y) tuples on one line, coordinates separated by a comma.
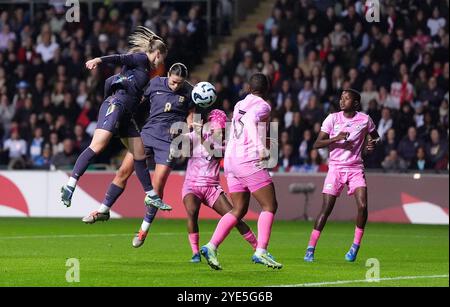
[(385, 123), (309, 48), (56, 146), (443, 113), (247, 67), (287, 159), (297, 129), (66, 158), (394, 163), (5, 37), (437, 151), (306, 145), (420, 162), (408, 145), (313, 112), (36, 146), (304, 95), (313, 164), (17, 148), (82, 140), (288, 111), (432, 96), (43, 161), (47, 48), (7, 112), (405, 119), (435, 22)]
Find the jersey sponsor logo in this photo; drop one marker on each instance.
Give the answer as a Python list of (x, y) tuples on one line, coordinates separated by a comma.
[(328, 186)]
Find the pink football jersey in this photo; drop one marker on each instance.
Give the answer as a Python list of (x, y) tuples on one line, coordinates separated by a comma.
[(348, 154)]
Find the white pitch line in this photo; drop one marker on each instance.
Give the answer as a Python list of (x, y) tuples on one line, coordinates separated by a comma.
[(344, 282)]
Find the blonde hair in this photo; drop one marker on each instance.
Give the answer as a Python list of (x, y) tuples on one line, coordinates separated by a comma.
[(145, 40)]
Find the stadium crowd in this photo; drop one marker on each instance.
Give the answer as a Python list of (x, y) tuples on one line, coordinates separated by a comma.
[(48, 100), (314, 49), (310, 49)]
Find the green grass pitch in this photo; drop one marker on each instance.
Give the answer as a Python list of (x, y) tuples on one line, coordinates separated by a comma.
[(33, 252)]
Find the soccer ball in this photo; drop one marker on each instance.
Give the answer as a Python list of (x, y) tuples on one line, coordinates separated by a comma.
[(204, 94)]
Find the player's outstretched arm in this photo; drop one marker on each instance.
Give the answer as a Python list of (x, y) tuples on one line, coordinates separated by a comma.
[(324, 140), (129, 59)]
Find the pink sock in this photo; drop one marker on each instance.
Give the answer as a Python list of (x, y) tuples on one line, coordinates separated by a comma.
[(265, 222), (251, 238), (358, 235), (315, 235), (193, 239), (226, 223)]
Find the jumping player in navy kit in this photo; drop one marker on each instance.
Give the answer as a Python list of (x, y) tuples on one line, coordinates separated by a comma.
[(147, 51), (170, 102)]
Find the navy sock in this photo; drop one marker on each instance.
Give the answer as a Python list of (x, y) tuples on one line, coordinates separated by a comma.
[(83, 161), (150, 215), (112, 195), (143, 175)]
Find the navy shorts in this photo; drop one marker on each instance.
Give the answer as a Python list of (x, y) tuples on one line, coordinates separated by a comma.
[(114, 118), (158, 149)]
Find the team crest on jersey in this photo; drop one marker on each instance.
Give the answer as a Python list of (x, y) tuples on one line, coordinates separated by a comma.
[(181, 99)]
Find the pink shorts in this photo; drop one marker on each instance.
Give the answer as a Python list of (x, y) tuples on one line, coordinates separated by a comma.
[(207, 195), (337, 179), (250, 183)]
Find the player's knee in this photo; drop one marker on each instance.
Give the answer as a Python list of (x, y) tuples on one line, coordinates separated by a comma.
[(239, 213), (96, 147), (139, 156), (122, 175), (274, 207), (362, 206), (192, 213)]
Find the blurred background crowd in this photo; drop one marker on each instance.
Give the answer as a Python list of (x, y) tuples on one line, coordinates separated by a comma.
[(311, 50)]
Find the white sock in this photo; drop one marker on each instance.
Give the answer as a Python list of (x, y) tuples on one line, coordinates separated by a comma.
[(104, 209), (145, 226), (211, 246), (151, 193), (260, 251), (72, 182)]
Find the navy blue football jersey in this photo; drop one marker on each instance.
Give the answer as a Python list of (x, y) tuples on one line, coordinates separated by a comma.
[(166, 107)]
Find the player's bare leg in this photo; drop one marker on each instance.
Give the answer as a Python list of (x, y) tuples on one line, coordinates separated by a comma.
[(222, 206), (361, 221), (267, 199), (192, 205), (152, 199), (327, 208), (114, 191), (241, 201), (160, 177)]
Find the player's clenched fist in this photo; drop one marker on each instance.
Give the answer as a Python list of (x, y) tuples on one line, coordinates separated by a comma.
[(92, 64)]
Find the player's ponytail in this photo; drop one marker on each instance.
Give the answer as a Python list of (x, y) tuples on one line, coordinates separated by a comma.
[(145, 40), (180, 70)]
